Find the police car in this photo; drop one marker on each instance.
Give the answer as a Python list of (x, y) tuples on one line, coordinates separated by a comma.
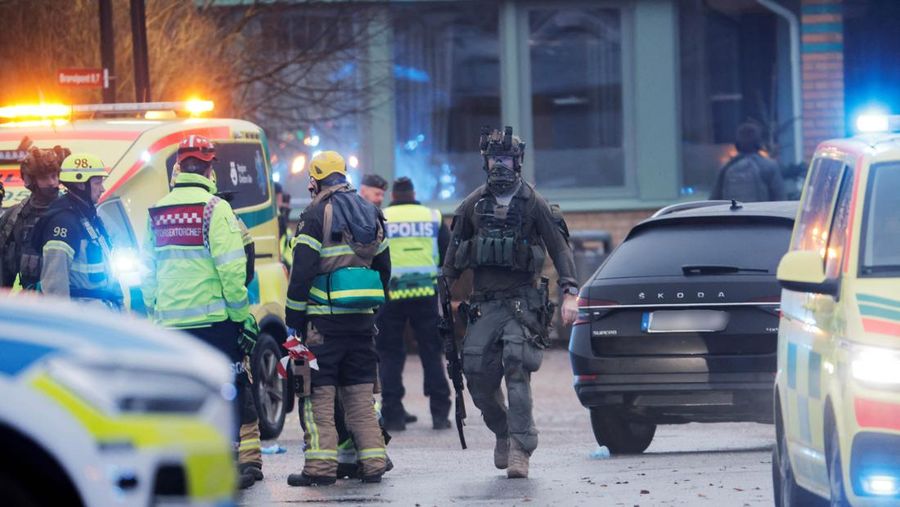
[(837, 389), (102, 409), (138, 142)]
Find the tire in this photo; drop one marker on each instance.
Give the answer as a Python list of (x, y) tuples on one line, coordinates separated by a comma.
[(619, 434), (835, 471), (13, 493), (269, 390), (785, 488)]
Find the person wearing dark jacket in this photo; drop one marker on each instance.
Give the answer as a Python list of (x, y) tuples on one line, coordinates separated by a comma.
[(749, 176), (340, 270), (418, 239)]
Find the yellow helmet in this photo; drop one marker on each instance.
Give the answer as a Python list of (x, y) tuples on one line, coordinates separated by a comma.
[(80, 167), (327, 163)]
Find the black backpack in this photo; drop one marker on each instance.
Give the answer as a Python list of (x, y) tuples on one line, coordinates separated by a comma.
[(742, 180)]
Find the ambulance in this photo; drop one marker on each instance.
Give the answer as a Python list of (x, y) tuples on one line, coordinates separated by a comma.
[(103, 410), (837, 386), (138, 143)]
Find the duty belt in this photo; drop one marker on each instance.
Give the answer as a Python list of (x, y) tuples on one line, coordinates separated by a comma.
[(498, 295)]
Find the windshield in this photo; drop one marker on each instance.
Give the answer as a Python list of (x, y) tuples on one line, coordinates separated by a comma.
[(701, 247), (881, 236)]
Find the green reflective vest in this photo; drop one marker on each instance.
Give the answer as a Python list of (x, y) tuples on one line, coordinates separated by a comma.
[(412, 231), (195, 260)]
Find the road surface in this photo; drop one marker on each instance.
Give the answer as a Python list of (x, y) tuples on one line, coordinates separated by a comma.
[(693, 464)]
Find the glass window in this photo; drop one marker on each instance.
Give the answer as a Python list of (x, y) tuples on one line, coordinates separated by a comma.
[(663, 249), (818, 202), (881, 239), (841, 221), (446, 85), (576, 97), (240, 170), (727, 55), (117, 224)]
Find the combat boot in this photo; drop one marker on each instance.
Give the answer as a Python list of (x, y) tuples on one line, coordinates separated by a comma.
[(501, 453), (518, 462)]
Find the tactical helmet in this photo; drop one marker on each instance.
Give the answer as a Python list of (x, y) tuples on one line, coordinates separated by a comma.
[(38, 162), (496, 143), (197, 147), (325, 164), (80, 167)]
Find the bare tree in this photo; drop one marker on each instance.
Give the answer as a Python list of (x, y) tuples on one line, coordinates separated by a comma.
[(281, 64)]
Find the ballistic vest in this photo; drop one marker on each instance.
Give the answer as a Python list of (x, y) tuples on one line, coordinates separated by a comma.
[(412, 231)]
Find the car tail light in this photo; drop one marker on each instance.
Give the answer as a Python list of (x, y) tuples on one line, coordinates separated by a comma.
[(585, 308), (585, 378)]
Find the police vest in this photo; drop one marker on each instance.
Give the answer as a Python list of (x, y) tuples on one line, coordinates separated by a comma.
[(412, 231)]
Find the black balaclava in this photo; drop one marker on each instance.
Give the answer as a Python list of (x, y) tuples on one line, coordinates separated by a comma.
[(502, 179)]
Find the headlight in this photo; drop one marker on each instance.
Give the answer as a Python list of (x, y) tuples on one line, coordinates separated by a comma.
[(876, 365), (115, 390), (126, 266)]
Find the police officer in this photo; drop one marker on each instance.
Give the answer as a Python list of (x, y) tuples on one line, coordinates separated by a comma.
[(502, 232), (196, 270), (40, 172), (74, 244), (372, 188), (341, 268), (418, 237)]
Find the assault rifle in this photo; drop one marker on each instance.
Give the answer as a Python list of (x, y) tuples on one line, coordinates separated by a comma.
[(451, 351)]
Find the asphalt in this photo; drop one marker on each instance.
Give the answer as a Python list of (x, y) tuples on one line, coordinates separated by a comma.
[(693, 464)]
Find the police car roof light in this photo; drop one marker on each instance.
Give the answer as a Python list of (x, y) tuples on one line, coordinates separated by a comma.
[(873, 122)]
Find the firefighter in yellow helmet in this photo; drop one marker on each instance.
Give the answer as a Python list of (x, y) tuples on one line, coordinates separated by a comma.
[(74, 245), (340, 270)]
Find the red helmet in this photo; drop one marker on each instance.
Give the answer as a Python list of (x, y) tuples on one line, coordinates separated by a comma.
[(198, 147)]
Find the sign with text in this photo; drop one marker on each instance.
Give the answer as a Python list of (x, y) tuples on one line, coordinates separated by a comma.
[(83, 78)]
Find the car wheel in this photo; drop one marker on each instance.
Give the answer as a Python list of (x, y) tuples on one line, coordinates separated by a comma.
[(787, 492), (612, 429), (835, 471), (12, 491), (269, 389)]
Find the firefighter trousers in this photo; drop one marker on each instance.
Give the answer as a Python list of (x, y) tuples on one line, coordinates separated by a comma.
[(347, 367)]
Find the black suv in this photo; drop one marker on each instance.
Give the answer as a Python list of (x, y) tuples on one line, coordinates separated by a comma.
[(680, 324)]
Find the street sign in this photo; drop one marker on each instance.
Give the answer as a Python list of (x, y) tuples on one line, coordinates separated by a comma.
[(84, 78)]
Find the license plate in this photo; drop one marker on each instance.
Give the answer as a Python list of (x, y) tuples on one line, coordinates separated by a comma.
[(684, 321)]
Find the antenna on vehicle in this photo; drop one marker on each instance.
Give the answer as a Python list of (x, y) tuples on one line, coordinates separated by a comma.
[(735, 205)]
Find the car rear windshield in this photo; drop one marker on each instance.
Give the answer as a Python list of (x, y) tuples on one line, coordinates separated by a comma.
[(742, 247)]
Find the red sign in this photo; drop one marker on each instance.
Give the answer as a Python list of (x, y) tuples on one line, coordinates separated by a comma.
[(83, 78)]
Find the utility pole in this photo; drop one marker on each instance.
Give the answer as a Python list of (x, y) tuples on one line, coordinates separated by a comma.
[(107, 49), (139, 45)]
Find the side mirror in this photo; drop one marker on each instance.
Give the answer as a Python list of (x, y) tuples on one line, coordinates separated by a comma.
[(804, 271)]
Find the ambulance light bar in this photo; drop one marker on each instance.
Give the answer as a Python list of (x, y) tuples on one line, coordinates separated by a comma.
[(62, 111)]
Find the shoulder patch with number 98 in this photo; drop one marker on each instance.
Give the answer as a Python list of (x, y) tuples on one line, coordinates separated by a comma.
[(60, 232)]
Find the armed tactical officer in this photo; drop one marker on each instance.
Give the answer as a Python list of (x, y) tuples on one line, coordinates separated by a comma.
[(502, 232), (197, 271), (418, 238), (40, 172), (341, 268), (74, 244)]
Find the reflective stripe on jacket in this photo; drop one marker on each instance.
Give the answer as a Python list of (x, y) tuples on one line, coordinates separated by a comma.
[(195, 258), (412, 230)]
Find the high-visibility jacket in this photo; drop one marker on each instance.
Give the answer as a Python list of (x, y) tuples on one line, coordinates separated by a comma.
[(194, 254), (412, 231)]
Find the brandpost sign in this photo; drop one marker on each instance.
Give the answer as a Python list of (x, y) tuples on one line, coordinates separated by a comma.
[(83, 78)]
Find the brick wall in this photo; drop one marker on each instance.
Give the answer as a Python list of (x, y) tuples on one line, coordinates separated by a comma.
[(617, 223), (823, 72)]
